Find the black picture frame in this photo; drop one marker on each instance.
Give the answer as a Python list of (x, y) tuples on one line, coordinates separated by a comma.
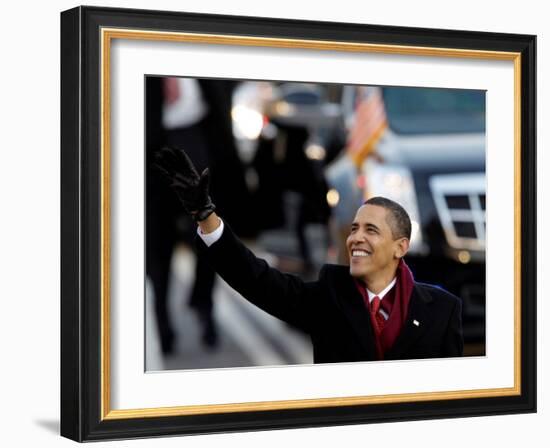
[(84, 411)]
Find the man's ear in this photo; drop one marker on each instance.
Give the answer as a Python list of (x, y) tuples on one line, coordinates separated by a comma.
[(402, 247)]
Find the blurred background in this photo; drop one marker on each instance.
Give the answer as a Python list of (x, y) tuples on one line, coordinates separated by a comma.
[(291, 163)]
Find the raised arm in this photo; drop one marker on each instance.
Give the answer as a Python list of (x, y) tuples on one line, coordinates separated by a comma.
[(285, 296), (282, 295)]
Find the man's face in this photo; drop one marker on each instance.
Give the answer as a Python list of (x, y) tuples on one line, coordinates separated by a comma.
[(373, 253)]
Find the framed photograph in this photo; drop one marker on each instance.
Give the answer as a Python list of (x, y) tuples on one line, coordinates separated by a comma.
[(334, 151)]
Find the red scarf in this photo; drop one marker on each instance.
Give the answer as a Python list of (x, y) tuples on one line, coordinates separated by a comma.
[(396, 302)]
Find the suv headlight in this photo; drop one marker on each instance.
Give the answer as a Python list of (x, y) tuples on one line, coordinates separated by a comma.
[(395, 182)]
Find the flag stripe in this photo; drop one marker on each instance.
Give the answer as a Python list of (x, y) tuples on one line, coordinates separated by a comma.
[(369, 125)]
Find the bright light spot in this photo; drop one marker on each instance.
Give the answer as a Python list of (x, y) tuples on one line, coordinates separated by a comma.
[(415, 229), (315, 152), (248, 123), (333, 197), (282, 108), (394, 181), (464, 256)]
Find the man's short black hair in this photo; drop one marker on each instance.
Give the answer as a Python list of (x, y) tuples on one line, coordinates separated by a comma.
[(399, 220)]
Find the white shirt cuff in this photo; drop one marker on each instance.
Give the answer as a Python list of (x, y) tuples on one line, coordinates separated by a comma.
[(212, 237)]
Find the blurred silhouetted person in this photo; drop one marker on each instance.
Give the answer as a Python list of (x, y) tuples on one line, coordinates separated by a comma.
[(194, 115)]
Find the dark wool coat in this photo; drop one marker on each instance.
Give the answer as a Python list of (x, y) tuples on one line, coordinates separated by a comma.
[(332, 310)]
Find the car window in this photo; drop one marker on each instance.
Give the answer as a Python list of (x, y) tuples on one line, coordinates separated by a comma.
[(413, 110)]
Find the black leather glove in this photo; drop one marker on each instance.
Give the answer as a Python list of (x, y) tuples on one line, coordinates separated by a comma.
[(190, 187)]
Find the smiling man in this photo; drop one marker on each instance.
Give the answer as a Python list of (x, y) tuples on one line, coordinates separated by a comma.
[(370, 310), (378, 240)]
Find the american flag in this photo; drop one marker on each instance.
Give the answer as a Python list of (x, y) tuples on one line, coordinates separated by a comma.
[(368, 125)]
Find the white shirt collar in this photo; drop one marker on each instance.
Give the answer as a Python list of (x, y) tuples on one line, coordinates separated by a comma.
[(382, 293)]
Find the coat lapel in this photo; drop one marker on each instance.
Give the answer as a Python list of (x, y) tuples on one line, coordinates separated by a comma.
[(417, 323), (354, 309)]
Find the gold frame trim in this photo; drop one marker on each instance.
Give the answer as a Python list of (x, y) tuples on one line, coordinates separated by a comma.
[(107, 35)]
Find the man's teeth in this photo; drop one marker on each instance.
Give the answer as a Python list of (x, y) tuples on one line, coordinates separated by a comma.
[(360, 253)]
